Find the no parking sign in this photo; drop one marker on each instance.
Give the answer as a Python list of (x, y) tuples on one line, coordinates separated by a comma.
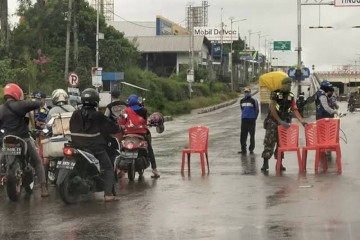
[(73, 79)]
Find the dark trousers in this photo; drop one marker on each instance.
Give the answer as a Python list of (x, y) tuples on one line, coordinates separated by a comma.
[(247, 127), (107, 166), (150, 150)]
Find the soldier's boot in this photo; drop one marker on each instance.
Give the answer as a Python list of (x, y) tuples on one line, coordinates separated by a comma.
[(265, 166)]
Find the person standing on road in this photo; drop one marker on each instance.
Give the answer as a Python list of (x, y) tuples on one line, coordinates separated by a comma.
[(282, 104), (115, 108), (325, 107), (249, 113), (300, 103)]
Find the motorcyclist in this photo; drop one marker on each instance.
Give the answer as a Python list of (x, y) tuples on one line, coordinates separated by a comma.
[(136, 123), (60, 100), (114, 109), (12, 114), (325, 107), (300, 103), (351, 101), (40, 114), (89, 129)]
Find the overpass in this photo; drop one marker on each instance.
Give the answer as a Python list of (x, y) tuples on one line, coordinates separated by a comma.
[(346, 81)]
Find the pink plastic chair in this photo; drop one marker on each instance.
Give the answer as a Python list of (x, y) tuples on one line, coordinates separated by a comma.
[(288, 140), (198, 143), (328, 140)]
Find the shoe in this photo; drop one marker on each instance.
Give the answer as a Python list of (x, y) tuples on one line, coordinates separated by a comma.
[(265, 166), (282, 168), (242, 152), (251, 152), (44, 190), (110, 198), (156, 174)]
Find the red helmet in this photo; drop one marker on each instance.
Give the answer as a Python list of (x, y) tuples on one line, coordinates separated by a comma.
[(14, 91), (157, 119)]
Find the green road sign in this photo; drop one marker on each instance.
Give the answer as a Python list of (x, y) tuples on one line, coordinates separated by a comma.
[(282, 45)]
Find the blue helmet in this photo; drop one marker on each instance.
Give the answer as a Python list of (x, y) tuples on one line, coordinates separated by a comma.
[(133, 100), (325, 84)]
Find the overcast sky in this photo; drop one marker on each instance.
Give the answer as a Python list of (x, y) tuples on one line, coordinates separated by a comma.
[(325, 48)]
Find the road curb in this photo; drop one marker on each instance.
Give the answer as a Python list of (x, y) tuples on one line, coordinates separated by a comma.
[(218, 106)]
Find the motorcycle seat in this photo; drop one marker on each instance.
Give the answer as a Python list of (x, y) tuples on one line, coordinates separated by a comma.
[(134, 135)]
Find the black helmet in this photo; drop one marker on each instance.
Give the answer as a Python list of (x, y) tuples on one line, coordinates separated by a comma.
[(90, 97), (115, 93)]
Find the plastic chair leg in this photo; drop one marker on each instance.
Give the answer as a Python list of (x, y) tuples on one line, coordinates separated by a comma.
[(207, 162), (188, 158), (317, 158), (300, 161), (182, 162), (338, 159), (202, 163), (278, 161), (304, 158)]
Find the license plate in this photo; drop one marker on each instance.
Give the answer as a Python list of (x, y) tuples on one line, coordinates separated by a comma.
[(11, 151), (129, 154), (65, 164)]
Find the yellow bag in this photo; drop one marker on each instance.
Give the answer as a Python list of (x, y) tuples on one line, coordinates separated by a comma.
[(272, 80)]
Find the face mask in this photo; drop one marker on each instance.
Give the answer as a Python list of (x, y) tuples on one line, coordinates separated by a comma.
[(330, 95), (247, 94)]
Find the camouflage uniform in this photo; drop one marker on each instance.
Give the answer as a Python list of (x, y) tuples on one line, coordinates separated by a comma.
[(285, 103)]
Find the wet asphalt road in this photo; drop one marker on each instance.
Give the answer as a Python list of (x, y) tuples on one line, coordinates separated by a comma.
[(235, 201)]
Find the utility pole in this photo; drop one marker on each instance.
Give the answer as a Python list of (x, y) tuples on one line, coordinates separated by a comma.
[(221, 39), (67, 49), (298, 76), (76, 36), (4, 22), (97, 34)]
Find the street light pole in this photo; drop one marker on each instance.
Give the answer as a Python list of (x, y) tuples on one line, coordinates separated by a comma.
[(231, 51), (299, 42), (97, 33)]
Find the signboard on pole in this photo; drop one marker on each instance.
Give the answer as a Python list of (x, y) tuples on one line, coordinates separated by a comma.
[(73, 79), (305, 73), (190, 76), (282, 45), (96, 76), (347, 3), (216, 34)]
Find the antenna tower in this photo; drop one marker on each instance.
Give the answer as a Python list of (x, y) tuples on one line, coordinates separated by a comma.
[(106, 8), (197, 15)]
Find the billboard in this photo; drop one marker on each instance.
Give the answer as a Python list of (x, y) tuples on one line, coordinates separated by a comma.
[(167, 27), (216, 34)]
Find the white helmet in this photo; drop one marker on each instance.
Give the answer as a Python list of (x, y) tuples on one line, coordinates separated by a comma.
[(59, 97)]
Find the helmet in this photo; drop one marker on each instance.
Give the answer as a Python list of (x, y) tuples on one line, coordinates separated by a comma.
[(133, 100), (325, 83), (90, 97), (14, 91), (59, 96), (39, 95), (157, 119), (115, 93)]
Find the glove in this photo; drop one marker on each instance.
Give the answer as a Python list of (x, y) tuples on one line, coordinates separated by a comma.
[(284, 124), (304, 123)]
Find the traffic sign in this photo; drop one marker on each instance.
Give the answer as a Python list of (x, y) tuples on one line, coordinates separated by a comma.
[(282, 45), (96, 76), (305, 73), (73, 79), (190, 76), (348, 3)]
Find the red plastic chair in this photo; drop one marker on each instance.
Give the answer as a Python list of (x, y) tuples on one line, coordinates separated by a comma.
[(198, 143), (328, 140), (311, 144), (288, 140)]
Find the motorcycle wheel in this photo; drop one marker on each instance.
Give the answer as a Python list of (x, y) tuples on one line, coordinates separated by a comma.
[(67, 194), (51, 175), (13, 182), (131, 170)]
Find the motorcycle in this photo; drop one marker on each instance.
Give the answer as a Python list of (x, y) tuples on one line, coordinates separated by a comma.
[(16, 164), (134, 155), (79, 174)]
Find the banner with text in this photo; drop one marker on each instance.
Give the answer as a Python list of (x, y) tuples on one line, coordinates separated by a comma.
[(216, 34)]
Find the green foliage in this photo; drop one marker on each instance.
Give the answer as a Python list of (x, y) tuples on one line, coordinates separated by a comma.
[(44, 27)]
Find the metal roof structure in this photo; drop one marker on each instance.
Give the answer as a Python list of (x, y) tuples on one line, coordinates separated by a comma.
[(134, 29), (168, 43)]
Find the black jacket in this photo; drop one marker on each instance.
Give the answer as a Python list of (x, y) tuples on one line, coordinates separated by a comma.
[(89, 129), (12, 114)]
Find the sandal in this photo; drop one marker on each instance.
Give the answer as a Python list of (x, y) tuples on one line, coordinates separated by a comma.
[(110, 199), (155, 172)]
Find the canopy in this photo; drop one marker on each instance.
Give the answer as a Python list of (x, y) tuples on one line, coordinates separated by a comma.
[(272, 80)]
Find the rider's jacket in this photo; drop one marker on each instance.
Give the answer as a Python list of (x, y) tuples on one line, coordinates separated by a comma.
[(12, 115), (135, 122), (320, 110), (89, 129), (284, 104), (249, 108), (40, 115)]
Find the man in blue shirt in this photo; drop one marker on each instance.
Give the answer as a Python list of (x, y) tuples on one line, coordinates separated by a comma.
[(249, 113)]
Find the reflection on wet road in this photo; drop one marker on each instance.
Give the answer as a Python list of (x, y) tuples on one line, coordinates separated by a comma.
[(235, 201)]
